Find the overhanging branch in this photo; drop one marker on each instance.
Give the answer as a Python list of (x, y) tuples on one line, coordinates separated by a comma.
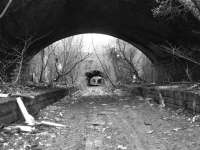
[(5, 9)]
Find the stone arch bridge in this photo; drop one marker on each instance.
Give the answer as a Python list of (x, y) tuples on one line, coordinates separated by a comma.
[(35, 24)]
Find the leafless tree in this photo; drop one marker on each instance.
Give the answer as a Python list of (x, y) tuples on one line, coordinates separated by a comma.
[(128, 55), (69, 58), (172, 8), (45, 55), (27, 41), (16, 54), (103, 66), (61, 73), (20, 57)]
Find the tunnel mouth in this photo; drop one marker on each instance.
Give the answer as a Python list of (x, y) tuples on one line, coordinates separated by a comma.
[(95, 78)]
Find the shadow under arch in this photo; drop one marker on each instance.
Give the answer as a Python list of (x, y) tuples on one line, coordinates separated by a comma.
[(130, 20)]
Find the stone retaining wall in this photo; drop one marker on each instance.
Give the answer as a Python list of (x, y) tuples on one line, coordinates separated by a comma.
[(173, 97), (10, 112)]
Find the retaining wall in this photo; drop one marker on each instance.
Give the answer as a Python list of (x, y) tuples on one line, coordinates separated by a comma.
[(178, 97), (10, 112)]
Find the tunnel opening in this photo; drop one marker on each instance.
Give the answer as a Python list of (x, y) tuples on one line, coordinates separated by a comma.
[(170, 43), (91, 58), (155, 37), (95, 78)]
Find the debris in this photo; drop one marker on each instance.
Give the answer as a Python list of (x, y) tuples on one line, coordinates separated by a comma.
[(121, 147), (51, 124), (29, 119), (98, 143), (134, 107), (27, 146), (108, 137), (180, 110), (5, 144), (60, 114), (104, 104), (117, 91), (196, 125), (2, 140), (149, 100), (168, 132), (165, 118), (150, 132), (176, 129), (104, 129), (22, 95), (195, 118), (95, 92), (110, 123), (4, 95), (1, 126), (140, 98), (76, 94), (147, 124), (161, 100), (126, 106), (21, 128), (150, 104), (42, 133), (193, 87)]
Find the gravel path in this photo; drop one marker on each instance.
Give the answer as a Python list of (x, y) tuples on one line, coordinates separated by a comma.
[(114, 121)]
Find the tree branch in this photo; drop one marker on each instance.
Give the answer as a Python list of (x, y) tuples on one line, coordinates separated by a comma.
[(21, 62), (5, 9), (102, 65), (122, 50), (66, 73)]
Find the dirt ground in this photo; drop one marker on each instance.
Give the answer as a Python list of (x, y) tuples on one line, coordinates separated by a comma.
[(107, 121)]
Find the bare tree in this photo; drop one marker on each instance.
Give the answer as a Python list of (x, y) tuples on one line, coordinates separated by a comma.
[(128, 55), (103, 66), (45, 55), (20, 57), (61, 73), (69, 58), (42, 55), (172, 8), (15, 55), (27, 41), (20, 54)]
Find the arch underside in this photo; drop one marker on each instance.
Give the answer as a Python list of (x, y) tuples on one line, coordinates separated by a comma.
[(47, 21)]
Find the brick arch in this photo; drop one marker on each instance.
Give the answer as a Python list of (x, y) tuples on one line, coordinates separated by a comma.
[(47, 21)]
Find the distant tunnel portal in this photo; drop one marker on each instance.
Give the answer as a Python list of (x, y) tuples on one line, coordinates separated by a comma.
[(95, 78)]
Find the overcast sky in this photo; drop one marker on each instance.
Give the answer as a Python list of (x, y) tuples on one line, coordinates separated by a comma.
[(99, 40)]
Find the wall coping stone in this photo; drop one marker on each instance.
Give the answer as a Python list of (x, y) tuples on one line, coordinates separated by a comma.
[(10, 112)]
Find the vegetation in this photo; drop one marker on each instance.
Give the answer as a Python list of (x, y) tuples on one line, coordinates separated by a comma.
[(130, 64), (172, 8), (59, 62)]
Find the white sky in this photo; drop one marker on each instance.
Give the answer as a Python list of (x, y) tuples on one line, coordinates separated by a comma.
[(99, 40)]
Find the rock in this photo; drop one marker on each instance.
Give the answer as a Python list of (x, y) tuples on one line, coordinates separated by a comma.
[(121, 147), (150, 132)]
